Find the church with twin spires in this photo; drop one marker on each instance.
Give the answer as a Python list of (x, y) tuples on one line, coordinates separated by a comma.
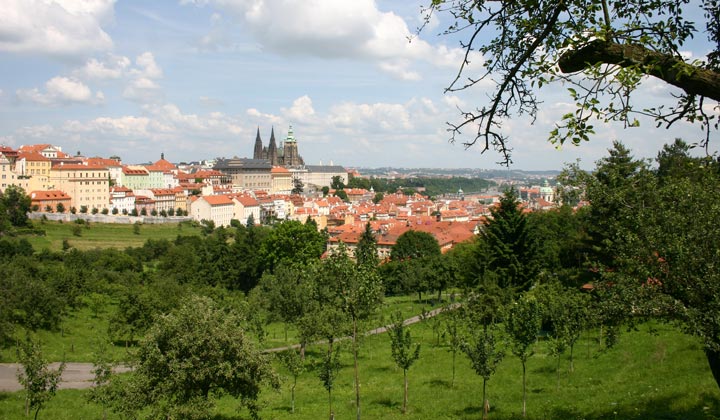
[(285, 155)]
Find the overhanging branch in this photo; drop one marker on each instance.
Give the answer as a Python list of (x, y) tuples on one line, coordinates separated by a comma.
[(692, 79)]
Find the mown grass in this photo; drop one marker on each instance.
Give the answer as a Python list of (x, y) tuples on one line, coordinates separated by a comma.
[(661, 375), (104, 235)]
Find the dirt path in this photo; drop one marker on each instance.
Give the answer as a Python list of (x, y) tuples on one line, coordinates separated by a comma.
[(79, 375)]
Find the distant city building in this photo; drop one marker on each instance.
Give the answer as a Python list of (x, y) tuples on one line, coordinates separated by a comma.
[(251, 174)]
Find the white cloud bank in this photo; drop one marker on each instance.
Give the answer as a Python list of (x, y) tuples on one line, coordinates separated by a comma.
[(55, 27), (335, 29), (61, 91)]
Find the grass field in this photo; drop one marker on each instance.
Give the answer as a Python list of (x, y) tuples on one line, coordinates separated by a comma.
[(659, 375), (105, 235)]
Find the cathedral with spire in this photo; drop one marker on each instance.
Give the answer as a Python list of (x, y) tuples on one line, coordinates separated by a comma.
[(284, 155)]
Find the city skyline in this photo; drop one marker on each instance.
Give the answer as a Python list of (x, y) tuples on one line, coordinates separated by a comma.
[(197, 79)]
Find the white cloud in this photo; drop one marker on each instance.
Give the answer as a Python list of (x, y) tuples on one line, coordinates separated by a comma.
[(148, 68), (60, 91), (142, 86), (114, 67), (55, 27), (301, 110), (335, 29)]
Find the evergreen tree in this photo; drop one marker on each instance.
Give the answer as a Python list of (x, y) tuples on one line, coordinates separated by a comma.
[(509, 246), (366, 251)]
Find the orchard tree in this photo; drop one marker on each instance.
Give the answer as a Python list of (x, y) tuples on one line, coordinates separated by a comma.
[(482, 345), (601, 50), (483, 348), (522, 325), (403, 351), (39, 381), (191, 356), (358, 294), (294, 362), (454, 332)]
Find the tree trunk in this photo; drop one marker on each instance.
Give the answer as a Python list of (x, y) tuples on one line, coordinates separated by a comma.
[(452, 385), (486, 406), (524, 387), (292, 396), (713, 357), (357, 377), (405, 396), (572, 364)]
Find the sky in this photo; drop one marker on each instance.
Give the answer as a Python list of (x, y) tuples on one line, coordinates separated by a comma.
[(196, 79)]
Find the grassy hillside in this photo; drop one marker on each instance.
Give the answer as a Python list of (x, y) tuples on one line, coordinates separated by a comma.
[(100, 235), (658, 375)]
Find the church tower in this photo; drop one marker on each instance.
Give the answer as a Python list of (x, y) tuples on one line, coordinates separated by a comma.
[(290, 152), (272, 149), (258, 152)]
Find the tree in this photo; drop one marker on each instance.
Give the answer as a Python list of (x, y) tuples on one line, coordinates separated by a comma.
[(358, 293), (39, 381), (295, 364), (403, 352), (341, 194), (603, 49), (522, 325), (60, 208), (292, 241), (454, 332), (193, 355), (102, 373), (665, 265), (327, 371), (337, 183), (298, 186), (83, 209), (509, 245), (378, 197), (14, 206), (414, 244), (285, 293), (132, 317), (366, 250), (482, 348)]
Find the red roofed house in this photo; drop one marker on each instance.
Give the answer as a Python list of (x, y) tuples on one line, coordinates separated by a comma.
[(246, 206), (36, 167), (49, 199), (122, 199), (218, 208)]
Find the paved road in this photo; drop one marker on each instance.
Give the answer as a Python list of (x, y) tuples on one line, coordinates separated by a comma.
[(79, 375), (75, 375)]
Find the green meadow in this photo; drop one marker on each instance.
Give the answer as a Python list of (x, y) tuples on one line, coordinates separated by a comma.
[(104, 235), (654, 372)]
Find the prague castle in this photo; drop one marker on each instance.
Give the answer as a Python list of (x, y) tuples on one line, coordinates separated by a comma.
[(286, 155)]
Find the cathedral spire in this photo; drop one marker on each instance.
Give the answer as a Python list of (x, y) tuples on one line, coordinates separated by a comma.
[(257, 152), (272, 149)]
